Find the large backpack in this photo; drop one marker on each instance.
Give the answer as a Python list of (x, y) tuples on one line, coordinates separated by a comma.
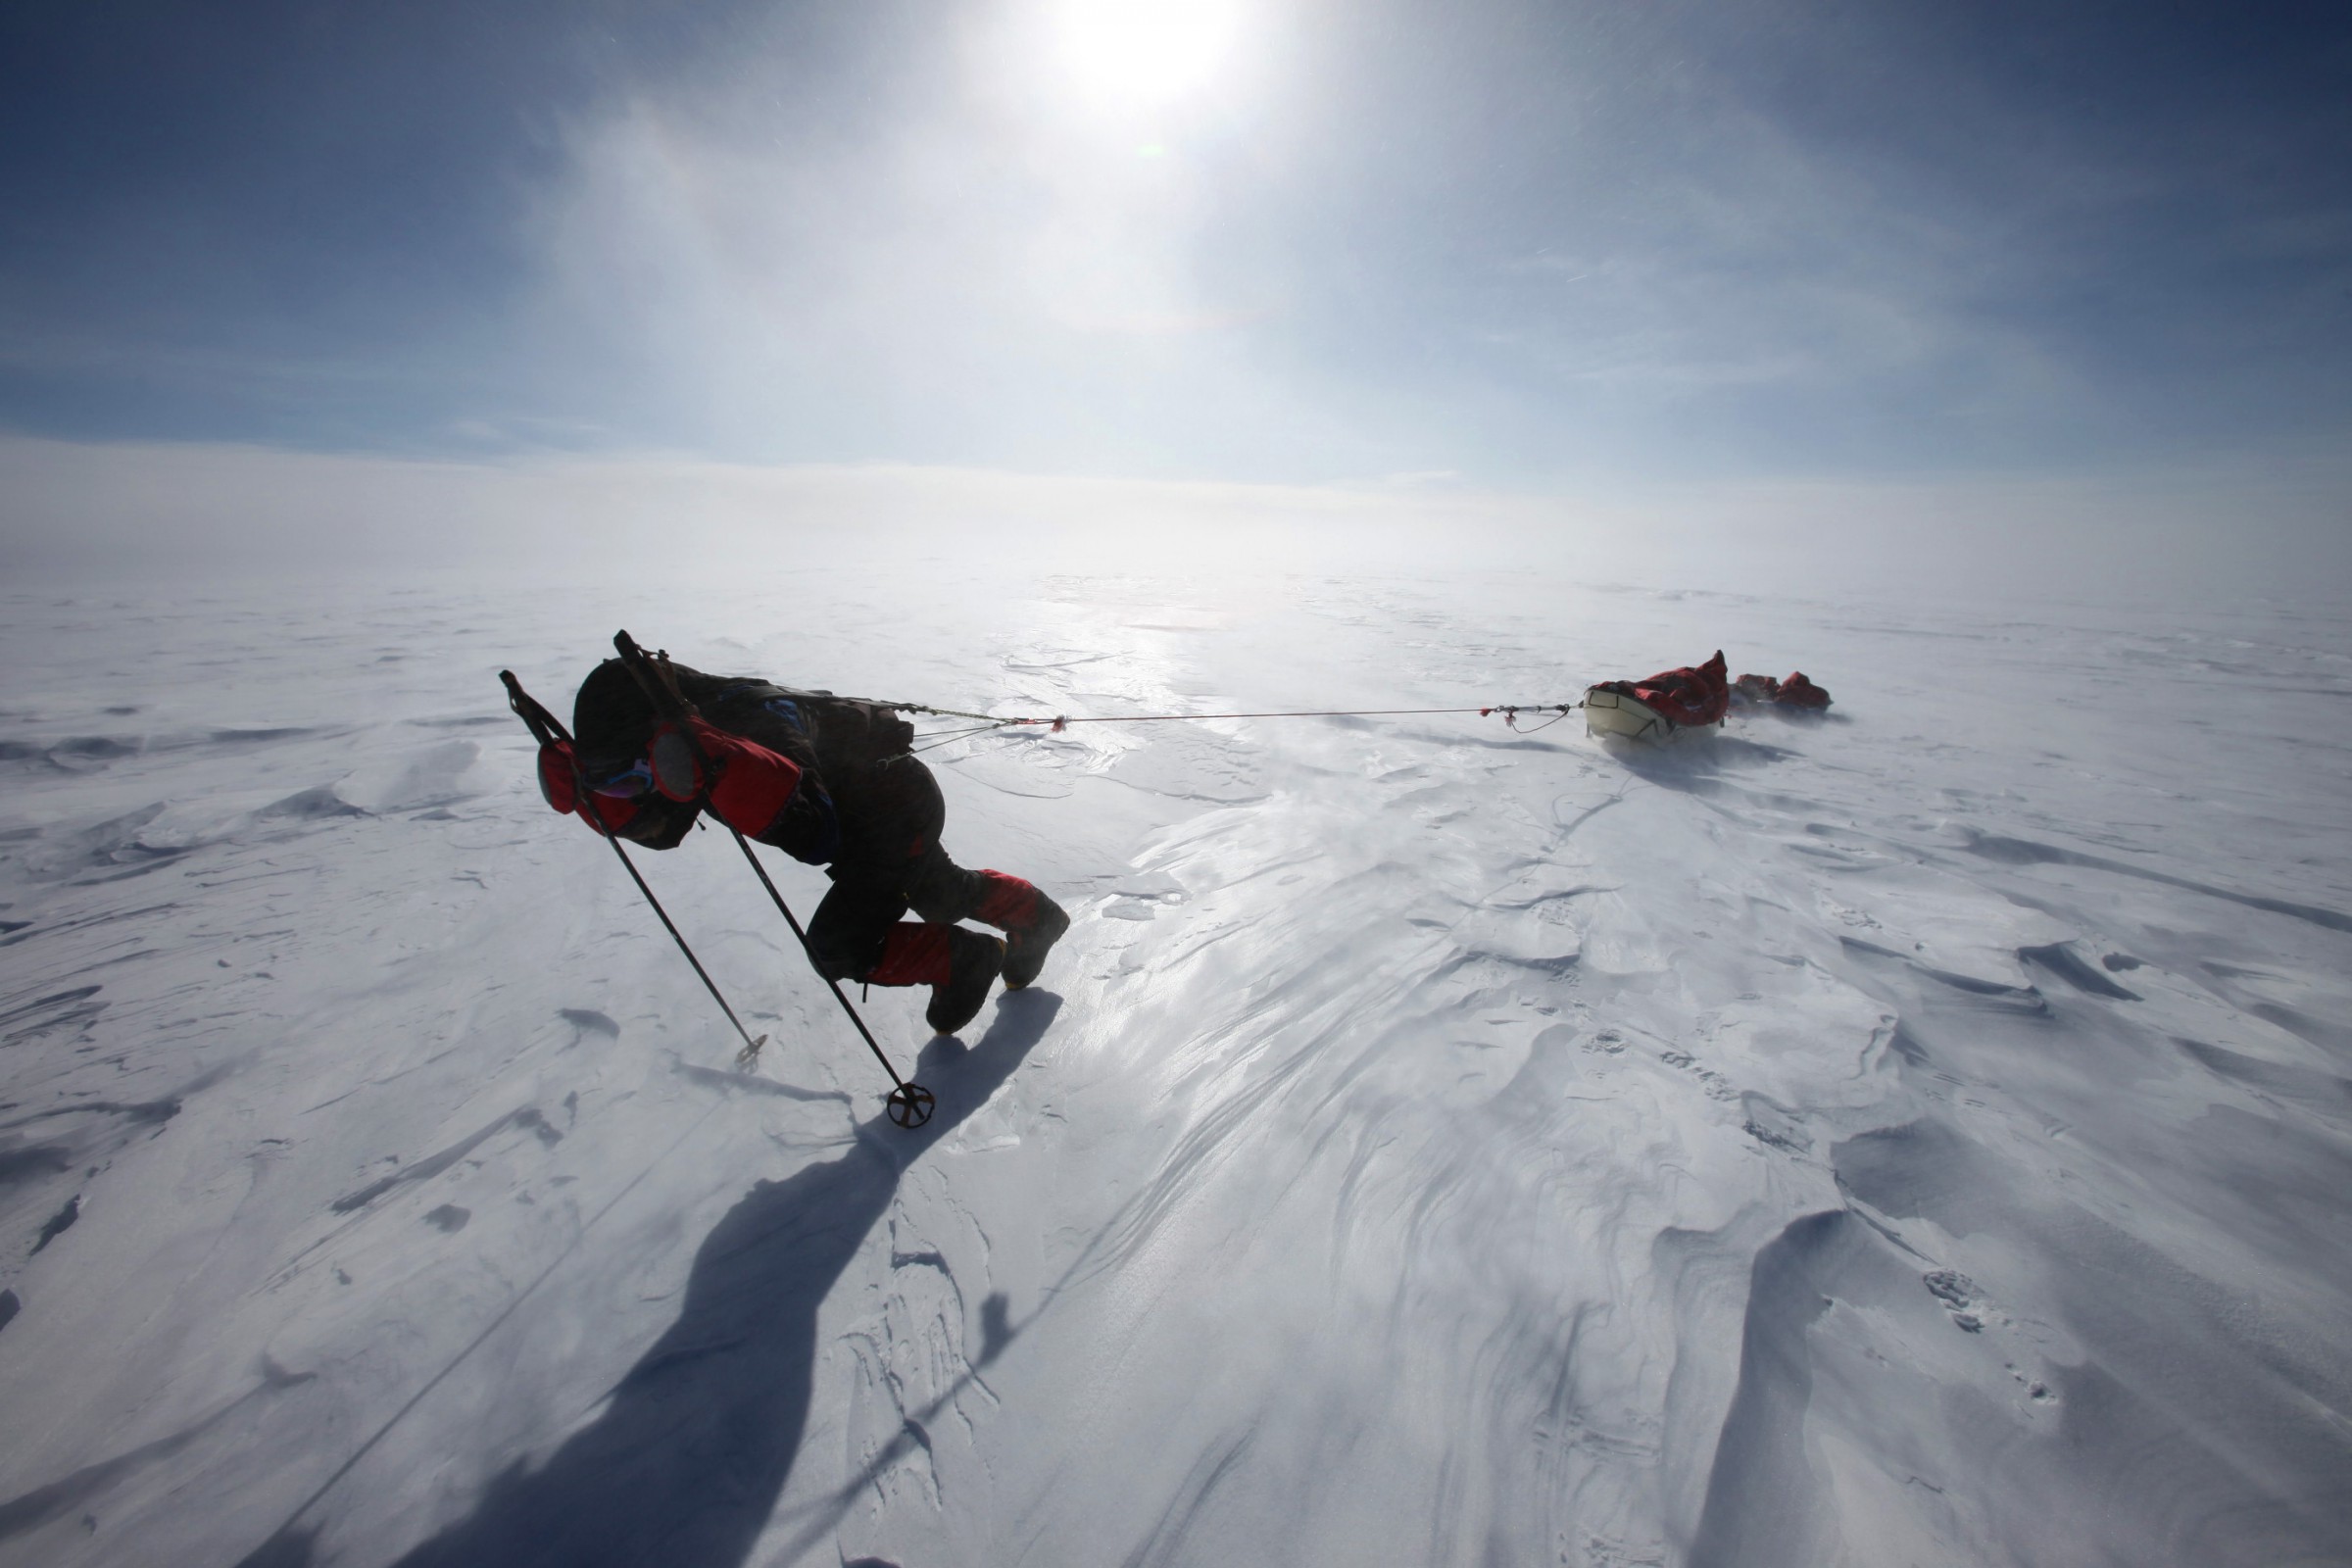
[(836, 741), (846, 736), (835, 735)]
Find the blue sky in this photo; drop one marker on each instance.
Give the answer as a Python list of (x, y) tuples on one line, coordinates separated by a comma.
[(1512, 245)]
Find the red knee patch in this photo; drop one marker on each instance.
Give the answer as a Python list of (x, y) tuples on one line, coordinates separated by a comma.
[(1008, 904), (914, 954)]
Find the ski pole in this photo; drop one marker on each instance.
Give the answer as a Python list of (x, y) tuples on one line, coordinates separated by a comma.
[(909, 1103), (547, 730)]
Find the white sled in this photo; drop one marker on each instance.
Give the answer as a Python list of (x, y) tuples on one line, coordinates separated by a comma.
[(1613, 716)]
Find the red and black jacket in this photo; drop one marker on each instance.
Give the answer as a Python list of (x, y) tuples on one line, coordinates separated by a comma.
[(762, 756)]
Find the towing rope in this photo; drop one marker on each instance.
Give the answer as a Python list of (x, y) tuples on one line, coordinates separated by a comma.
[(992, 722)]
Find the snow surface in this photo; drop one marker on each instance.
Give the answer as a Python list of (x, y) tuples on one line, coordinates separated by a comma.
[(1916, 1136)]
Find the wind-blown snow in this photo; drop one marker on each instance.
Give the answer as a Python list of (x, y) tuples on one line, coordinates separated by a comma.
[(1918, 1135)]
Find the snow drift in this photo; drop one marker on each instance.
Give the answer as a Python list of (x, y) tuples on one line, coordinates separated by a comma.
[(1912, 1134)]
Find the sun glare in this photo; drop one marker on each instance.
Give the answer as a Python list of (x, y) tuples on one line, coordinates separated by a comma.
[(1145, 51)]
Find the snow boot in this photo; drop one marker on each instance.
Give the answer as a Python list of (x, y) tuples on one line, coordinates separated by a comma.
[(975, 962), (1025, 949)]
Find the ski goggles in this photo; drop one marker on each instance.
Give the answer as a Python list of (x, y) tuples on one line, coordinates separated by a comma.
[(627, 784)]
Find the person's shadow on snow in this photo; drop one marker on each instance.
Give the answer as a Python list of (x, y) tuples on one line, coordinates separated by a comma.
[(684, 1466)]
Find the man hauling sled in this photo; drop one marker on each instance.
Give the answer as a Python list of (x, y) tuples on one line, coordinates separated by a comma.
[(828, 780)]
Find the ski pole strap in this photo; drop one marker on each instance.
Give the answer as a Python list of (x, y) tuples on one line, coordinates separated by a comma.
[(654, 674), (544, 728)]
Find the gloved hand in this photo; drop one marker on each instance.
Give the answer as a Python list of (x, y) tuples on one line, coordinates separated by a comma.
[(560, 781), (748, 785)]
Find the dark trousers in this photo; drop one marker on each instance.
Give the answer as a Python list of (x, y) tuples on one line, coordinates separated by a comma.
[(891, 861)]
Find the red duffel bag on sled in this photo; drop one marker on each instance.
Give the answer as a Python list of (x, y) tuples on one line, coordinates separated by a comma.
[(1796, 692)]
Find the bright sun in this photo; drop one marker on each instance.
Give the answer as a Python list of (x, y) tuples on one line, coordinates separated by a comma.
[(1145, 51)]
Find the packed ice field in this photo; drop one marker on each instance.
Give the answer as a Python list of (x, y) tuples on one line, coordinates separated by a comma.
[(1917, 1134)]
